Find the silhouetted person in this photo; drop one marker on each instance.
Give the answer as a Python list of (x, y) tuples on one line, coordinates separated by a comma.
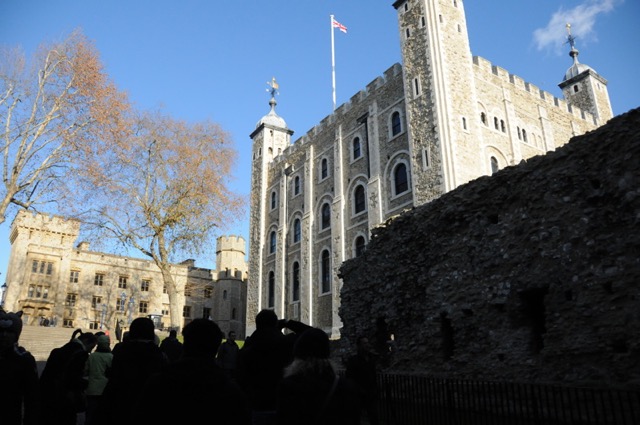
[(195, 385), (261, 362), (135, 359), (98, 365), (19, 374), (228, 355), (362, 369), (171, 346), (62, 383), (311, 391)]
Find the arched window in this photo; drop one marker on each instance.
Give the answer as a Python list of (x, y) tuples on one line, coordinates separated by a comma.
[(325, 270), (296, 230), (483, 118), (233, 314), (356, 148), (326, 216), (400, 178), (296, 185), (496, 123), (272, 290), (494, 165), (503, 128), (524, 135), (359, 199), (359, 246), (324, 168), (272, 242), (295, 282), (396, 125), (224, 294), (273, 200)]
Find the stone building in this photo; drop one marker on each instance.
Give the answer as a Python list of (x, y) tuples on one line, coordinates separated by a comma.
[(50, 277), (530, 275), (440, 119)]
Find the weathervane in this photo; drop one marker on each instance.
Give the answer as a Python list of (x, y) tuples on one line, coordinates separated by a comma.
[(570, 38), (273, 87)]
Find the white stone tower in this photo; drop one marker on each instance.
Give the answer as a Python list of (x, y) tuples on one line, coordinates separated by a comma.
[(229, 308), (270, 138), (440, 95), (582, 86)]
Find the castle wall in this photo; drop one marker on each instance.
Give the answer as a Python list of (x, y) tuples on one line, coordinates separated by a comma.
[(531, 274)]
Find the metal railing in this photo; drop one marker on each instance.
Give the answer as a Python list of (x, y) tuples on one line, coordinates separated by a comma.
[(409, 400)]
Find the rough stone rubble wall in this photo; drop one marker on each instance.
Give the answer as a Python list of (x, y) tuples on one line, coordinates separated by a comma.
[(532, 274)]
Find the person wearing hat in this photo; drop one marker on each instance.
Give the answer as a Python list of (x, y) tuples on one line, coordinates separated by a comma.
[(98, 364), (19, 389), (311, 391)]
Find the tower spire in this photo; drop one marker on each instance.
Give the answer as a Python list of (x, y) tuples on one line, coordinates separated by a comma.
[(572, 42)]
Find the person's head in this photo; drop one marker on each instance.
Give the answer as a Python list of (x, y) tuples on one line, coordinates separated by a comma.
[(142, 329), (363, 345), (103, 343), (89, 341), (266, 319), (312, 343), (10, 328), (231, 336), (173, 333), (201, 338)]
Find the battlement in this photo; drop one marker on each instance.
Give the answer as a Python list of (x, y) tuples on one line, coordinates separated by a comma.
[(231, 243), (485, 66), (372, 88)]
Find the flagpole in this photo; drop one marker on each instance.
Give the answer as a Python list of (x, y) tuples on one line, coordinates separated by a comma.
[(333, 66)]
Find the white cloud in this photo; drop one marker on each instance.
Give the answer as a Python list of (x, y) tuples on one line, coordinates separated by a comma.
[(582, 19)]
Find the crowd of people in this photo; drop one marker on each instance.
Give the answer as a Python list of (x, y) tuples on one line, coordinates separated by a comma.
[(282, 375)]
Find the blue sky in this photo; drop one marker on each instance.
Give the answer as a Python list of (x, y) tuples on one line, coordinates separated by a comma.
[(211, 60)]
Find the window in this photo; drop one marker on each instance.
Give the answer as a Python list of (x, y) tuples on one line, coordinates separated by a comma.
[(494, 165), (495, 123), (325, 216), (74, 277), (483, 118), (503, 128), (145, 285), (122, 282), (356, 148), (576, 88), (396, 126), (164, 289), (296, 230), (416, 87), (42, 267), (206, 312), (272, 242), (143, 307), (296, 185), (359, 246), (524, 135), (31, 291), (324, 168), (325, 270), (121, 303), (208, 292), (70, 301), (401, 182), (186, 311), (98, 280), (273, 200), (234, 314), (272, 290), (188, 290), (95, 302), (224, 294), (464, 123), (359, 199), (295, 282)]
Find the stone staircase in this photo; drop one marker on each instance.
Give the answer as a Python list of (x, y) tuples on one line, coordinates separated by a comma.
[(40, 340)]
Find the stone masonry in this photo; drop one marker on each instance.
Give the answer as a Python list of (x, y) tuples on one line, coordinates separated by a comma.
[(531, 274)]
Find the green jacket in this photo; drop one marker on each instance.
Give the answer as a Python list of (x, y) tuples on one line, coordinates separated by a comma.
[(97, 367)]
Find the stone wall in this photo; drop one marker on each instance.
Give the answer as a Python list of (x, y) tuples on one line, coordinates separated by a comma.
[(532, 274)]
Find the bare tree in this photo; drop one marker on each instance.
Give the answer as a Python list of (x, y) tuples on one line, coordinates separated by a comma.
[(51, 108), (164, 192)]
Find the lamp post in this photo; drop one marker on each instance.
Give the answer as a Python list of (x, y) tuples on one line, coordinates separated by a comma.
[(131, 304), (4, 293), (104, 312)]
